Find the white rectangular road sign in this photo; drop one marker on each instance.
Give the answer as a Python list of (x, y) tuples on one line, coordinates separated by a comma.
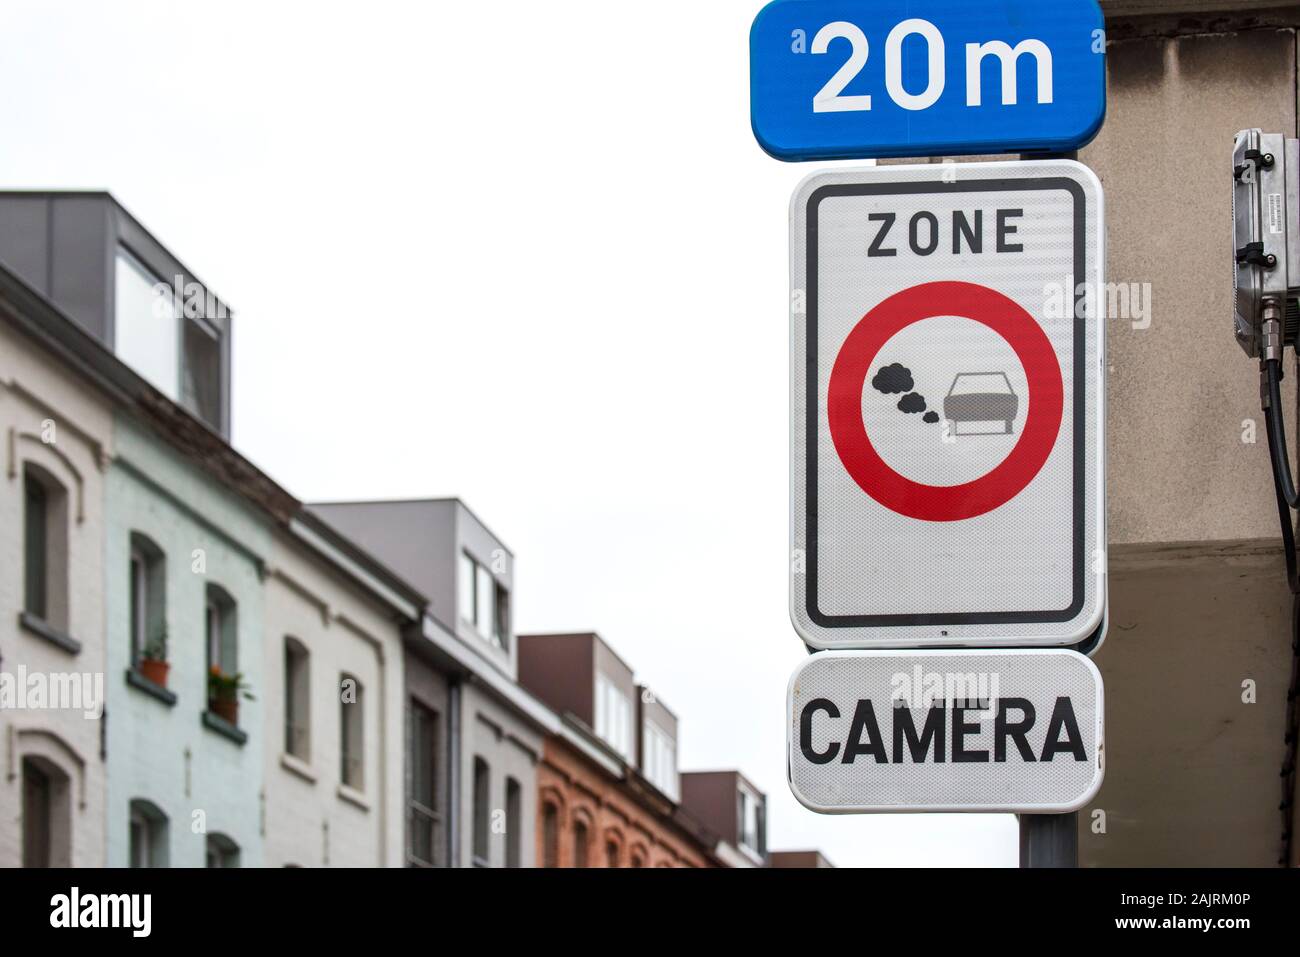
[(946, 730), (947, 406)]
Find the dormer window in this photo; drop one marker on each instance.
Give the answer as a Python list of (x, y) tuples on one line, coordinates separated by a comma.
[(749, 822), (169, 333), (201, 373), (613, 717), (659, 757), (484, 602), (146, 324)]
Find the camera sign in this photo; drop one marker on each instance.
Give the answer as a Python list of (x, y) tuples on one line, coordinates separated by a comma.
[(980, 731)]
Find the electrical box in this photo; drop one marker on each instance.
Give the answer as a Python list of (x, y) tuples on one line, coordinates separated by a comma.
[(1265, 212)]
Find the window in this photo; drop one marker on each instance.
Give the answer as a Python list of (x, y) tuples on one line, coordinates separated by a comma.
[(750, 821), (148, 603), (220, 632), (147, 324), (580, 844), (424, 819), (168, 337), (484, 603), (35, 510), (659, 759), (501, 617), (550, 836), (638, 858), (148, 835), (222, 851), (514, 823), (352, 734), (47, 814), (481, 811), (613, 717), (45, 547), (201, 377), (297, 699), (37, 811), (465, 587), (611, 854)]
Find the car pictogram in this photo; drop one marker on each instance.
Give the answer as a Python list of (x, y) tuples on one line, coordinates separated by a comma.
[(981, 397)]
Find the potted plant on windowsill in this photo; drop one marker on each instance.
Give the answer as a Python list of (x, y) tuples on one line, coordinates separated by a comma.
[(224, 692), (153, 659)]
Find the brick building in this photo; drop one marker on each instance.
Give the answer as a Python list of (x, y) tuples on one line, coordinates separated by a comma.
[(607, 789), (590, 815)]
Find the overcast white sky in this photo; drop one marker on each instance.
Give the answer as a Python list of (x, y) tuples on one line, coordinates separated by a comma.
[(528, 254)]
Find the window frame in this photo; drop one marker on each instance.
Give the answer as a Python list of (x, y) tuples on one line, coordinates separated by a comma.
[(37, 816), (580, 838), (125, 347), (297, 698), (514, 822), (220, 607), (352, 737), (659, 756), (46, 586), (224, 849), (550, 834), (614, 717), (481, 847), (417, 809), (484, 601), (147, 820), (147, 582), (36, 546)]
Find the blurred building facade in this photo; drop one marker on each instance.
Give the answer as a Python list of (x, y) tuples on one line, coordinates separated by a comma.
[(495, 730), (279, 684), (609, 793), (57, 429)]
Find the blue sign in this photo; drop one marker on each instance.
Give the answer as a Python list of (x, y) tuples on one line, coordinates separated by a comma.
[(850, 79)]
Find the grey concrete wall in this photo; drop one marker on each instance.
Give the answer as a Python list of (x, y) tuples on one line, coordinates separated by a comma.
[(1192, 770), (1181, 391)]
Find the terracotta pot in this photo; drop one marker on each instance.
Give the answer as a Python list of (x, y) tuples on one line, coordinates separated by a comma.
[(155, 671), (227, 708)]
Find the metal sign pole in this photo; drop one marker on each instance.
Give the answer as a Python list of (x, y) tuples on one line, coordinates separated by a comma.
[(1049, 840)]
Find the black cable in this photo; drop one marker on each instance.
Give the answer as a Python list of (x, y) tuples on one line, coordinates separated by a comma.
[(1283, 483), (1277, 435), (1288, 539)]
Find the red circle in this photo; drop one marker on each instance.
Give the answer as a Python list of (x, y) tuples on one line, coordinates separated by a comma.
[(945, 503)]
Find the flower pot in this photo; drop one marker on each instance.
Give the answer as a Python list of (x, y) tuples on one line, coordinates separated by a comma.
[(227, 708), (155, 671)]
